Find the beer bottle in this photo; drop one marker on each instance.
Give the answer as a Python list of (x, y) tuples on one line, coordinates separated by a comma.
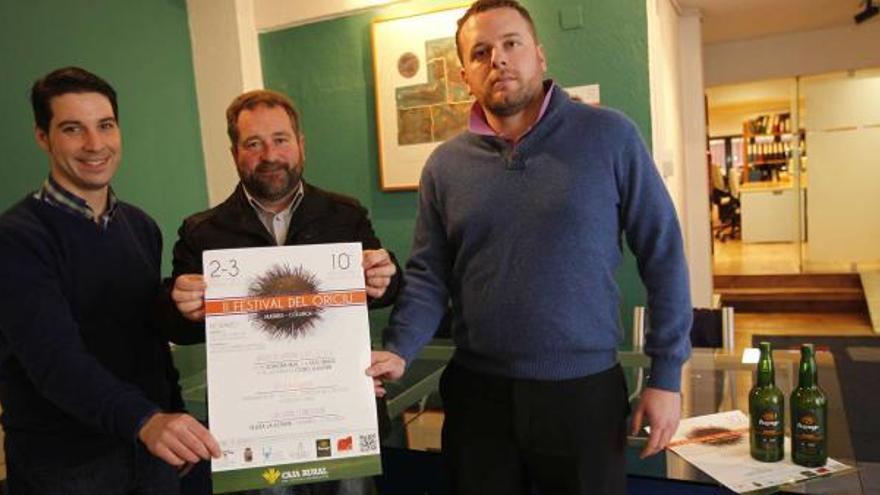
[(766, 412), (809, 414)]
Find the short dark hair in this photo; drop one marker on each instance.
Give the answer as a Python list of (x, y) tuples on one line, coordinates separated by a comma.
[(250, 100), (481, 6), (63, 81)]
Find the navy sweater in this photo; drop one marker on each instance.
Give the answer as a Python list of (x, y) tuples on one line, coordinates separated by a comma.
[(80, 365), (526, 239)]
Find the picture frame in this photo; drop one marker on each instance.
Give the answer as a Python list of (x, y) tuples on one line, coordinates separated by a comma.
[(420, 97)]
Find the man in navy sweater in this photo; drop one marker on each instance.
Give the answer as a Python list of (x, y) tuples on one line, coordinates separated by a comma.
[(89, 393), (520, 224)]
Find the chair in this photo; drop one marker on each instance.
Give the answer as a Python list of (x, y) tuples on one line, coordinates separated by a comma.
[(725, 197), (728, 214), (712, 328)]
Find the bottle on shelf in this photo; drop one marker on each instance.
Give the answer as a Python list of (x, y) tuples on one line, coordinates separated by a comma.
[(766, 412), (809, 415)]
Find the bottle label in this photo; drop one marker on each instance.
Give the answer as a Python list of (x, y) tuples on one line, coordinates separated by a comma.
[(768, 426), (809, 434)]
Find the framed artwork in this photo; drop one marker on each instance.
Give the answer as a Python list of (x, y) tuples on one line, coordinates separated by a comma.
[(421, 99)]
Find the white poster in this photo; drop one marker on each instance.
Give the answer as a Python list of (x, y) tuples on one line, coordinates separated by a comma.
[(287, 342)]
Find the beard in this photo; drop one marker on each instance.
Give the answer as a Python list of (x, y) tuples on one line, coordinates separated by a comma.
[(273, 188), (510, 102)]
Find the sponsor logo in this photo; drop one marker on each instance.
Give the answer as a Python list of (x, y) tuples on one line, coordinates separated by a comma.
[(299, 453), (271, 475), (323, 447), (344, 444)]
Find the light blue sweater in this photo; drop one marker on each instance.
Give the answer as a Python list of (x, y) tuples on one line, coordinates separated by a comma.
[(525, 242)]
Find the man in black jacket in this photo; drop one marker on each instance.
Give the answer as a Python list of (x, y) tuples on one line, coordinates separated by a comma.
[(272, 206)]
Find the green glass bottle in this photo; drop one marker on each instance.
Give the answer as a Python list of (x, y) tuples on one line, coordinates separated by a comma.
[(766, 412), (809, 415)]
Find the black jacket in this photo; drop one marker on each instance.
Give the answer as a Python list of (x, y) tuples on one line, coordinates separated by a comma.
[(321, 217)]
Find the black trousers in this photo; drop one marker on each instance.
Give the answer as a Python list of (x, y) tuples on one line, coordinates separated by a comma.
[(525, 437)]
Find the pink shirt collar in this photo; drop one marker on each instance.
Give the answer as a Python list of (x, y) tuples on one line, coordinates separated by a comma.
[(479, 125)]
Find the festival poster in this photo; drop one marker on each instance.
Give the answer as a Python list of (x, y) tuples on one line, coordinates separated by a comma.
[(288, 340)]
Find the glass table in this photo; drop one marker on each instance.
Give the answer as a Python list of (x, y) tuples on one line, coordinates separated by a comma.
[(712, 381)]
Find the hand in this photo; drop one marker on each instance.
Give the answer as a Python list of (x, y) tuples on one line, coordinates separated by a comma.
[(385, 365), (378, 270), (188, 295), (663, 409), (178, 439)]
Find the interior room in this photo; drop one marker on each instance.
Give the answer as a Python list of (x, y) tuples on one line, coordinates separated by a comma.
[(762, 119)]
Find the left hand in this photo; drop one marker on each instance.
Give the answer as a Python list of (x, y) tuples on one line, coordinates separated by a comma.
[(378, 270), (663, 410)]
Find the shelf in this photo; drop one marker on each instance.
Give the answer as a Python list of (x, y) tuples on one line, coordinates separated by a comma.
[(770, 152)]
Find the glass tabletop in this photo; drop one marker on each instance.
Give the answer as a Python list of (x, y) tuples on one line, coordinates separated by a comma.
[(712, 381)]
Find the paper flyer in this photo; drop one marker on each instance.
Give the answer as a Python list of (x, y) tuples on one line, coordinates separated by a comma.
[(718, 445)]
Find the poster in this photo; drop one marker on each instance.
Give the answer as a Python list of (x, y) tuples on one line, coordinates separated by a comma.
[(287, 340), (421, 99)]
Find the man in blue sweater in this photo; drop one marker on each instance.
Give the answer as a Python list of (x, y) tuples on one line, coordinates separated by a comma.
[(89, 393), (520, 225)]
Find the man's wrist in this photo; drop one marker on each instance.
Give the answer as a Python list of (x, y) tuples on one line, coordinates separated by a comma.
[(144, 420)]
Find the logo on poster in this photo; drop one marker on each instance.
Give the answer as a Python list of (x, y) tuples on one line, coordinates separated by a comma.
[(323, 447), (344, 444), (271, 475)]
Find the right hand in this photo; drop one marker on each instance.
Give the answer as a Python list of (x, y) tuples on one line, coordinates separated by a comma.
[(188, 295), (178, 439), (384, 365)]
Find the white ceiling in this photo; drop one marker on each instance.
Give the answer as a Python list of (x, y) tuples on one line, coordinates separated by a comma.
[(729, 20)]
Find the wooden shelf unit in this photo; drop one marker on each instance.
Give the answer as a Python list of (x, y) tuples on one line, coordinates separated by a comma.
[(767, 144)]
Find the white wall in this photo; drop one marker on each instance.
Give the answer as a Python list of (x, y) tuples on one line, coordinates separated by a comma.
[(226, 61), (678, 131), (803, 53), (843, 131), (663, 68)]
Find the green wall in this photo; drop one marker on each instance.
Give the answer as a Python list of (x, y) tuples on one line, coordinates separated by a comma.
[(326, 68), (143, 49)]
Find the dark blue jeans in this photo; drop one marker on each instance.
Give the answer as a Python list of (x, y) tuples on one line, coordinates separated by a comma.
[(125, 471)]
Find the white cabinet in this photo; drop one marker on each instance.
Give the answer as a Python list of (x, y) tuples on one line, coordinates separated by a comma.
[(769, 213)]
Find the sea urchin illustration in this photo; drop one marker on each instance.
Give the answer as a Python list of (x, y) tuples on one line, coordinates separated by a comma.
[(282, 280)]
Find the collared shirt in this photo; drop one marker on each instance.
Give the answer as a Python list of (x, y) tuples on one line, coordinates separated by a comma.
[(277, 223), (478, 124), (54, 194)]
